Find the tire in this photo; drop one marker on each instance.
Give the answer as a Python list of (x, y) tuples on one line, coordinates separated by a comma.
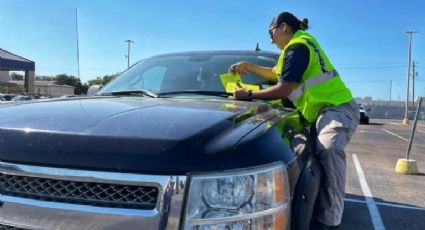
[(364, 119), (366, 122)]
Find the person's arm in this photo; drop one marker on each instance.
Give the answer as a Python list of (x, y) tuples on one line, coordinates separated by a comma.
[(278, 91), (295, 64), (265, 73)]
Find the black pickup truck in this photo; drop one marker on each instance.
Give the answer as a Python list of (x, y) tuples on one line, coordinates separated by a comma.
[(163, 146)]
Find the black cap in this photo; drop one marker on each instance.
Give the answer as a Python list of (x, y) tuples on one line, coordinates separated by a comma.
[(287, 18)]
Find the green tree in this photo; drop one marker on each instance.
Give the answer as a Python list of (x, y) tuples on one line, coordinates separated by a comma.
[(102, 80), (16, 76), (44, 78), (63, 79)]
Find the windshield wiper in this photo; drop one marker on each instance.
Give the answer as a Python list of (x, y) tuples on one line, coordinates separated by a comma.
[(200, 92), (133, 92)]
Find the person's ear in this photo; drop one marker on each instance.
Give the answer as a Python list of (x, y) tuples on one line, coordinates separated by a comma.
[(284, 27)]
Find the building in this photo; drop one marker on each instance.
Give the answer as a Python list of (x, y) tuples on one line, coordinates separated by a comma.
[(49, 88), (13, 62), (4, 76)]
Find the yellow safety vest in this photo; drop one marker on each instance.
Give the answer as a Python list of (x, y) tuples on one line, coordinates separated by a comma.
[(320, 85)]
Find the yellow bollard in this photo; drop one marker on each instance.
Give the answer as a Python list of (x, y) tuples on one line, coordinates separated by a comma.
[(405, 121), (406, 166)]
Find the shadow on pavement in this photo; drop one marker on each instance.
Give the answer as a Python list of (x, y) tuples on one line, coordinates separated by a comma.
[(372, 123)]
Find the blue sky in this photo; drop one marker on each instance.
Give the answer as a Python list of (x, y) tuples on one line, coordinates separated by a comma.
[(365, 39)]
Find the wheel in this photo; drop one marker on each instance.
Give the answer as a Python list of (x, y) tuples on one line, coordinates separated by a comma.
[(366, 122), (364, 119)]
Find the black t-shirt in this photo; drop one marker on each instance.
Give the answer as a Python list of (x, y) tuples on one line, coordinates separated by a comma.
[(296, 61)]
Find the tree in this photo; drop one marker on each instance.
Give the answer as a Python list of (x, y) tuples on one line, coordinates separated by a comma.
[(44, 78), (63, 79), (16, 77), (103, 80)]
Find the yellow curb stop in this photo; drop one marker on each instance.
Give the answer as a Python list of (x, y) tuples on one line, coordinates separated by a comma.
[(406, 166)]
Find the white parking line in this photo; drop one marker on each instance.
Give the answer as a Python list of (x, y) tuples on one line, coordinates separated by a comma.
[(420, 131), (395, 135), (386, 204), (367, 131), (371, 205)]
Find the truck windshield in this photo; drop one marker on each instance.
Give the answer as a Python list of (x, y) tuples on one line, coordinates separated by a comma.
[(198, 72)]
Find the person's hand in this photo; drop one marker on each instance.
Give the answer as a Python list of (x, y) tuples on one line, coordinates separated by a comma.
[(240, 93), (239, 67)]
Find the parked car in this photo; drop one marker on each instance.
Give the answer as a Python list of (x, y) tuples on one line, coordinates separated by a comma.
[(21, 98), (163, 146), (364, 118), (6, 97)]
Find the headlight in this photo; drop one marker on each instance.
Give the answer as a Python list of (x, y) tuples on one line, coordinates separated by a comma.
[(257, 198)]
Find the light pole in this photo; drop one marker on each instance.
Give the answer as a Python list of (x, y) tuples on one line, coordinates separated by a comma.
[(409, 58), (78, 46), (128, 52)]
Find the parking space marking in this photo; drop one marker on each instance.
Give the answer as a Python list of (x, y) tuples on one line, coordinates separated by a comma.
[(420, 131), (367, 131), (386, 204), (395, 135), (370, 202)]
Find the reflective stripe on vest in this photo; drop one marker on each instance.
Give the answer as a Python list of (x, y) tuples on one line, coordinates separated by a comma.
[(298, 92)]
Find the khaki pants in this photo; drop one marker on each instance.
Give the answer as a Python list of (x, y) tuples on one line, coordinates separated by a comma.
[(335, 126)]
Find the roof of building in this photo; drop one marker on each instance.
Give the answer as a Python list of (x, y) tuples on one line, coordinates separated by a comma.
[(10, 61)]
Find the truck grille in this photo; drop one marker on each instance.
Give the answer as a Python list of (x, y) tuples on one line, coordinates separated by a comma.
[(74, 192)]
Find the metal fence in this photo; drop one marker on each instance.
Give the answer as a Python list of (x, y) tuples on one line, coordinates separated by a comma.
[(392, 109)]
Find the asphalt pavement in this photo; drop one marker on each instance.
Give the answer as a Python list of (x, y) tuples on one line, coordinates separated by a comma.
[(377, 197)]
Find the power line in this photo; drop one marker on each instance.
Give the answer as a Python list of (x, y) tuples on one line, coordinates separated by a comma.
[(380, 81), (371, 67)]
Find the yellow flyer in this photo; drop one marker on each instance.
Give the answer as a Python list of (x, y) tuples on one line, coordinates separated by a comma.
[(229, 82)]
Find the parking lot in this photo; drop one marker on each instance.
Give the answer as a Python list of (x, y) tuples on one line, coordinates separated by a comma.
[(377, 197)]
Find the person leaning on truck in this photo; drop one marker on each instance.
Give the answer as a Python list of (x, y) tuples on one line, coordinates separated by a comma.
[(305, 75)]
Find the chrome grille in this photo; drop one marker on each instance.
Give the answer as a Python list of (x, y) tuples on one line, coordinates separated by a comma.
[(74, 192)]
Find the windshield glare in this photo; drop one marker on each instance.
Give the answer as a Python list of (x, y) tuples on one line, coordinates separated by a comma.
[(192, 72)]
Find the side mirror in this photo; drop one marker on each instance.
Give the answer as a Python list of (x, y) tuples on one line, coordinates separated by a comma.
[(93, 90)]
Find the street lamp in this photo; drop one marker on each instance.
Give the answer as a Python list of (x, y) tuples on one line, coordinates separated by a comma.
[(128, 52)]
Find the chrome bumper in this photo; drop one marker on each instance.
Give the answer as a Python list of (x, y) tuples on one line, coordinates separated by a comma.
[(37, 214)]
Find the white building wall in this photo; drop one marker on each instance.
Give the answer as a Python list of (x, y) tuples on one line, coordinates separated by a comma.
[(49, 90), (4, 76), (59, 91)]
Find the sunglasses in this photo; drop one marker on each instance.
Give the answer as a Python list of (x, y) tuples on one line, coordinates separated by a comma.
[(272, 30)]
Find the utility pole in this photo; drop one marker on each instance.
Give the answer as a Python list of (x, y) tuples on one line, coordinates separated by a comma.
[(413, 85), (409, 62), (391, 86), (128, 52)]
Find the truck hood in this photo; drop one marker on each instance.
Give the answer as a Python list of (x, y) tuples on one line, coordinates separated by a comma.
[(127, 133)]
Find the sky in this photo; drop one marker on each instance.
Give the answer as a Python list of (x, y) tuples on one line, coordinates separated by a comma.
[(366, 40)]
